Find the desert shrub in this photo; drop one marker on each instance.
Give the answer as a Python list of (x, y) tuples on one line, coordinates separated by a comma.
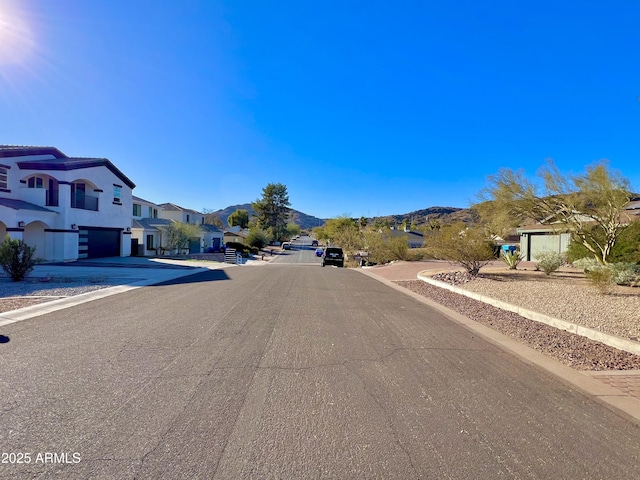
[(549, 262), (512, 259), (16, 258), (258, 238), (468, 247), (586, 264), (620, 273), (625, 273), (418, 254), (602, 279)]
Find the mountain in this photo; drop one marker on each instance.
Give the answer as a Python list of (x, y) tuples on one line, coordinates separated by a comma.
[(444, 215), (306, 222)]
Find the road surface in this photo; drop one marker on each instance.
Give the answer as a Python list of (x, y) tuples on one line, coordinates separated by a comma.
[(287, 371)]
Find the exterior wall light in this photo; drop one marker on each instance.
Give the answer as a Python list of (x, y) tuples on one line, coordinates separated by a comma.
[(74, 226), (21, 224)]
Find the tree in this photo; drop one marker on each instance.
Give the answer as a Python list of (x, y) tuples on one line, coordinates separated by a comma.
[(626, 249), (178, 234), (293, 229), (468, 247), (258, 238), (211, 218), (16, 258), (383, 248), (590, 206), (272, 210), (239, 218), (344, 232)]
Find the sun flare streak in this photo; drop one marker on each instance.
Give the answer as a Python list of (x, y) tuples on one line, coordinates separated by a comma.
[(16, 38)]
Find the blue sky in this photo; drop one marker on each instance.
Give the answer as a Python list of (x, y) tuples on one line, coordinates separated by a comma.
[(362, 108)]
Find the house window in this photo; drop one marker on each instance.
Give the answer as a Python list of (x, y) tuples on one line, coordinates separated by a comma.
[(187, 218), (35, 182), (137, 210), (117, 194), (153, 212), (4, 173), (150, 245)]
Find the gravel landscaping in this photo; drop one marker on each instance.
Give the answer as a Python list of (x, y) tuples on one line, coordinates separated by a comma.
[(34, 290), (564, 295)]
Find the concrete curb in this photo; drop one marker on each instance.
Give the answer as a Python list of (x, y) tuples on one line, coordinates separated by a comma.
[(32, 311), (611, 340), (608, 396)]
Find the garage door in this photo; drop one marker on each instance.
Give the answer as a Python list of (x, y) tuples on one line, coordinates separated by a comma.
[(94, 242), (543, 243)]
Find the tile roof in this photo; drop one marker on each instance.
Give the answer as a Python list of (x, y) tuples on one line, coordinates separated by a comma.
[(174, 207), (24, 150), (151, 223), (138, 199), (15, 204), (59, 161), (210, 228)]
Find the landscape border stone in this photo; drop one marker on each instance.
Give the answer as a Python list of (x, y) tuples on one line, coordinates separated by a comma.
[(611, 340)]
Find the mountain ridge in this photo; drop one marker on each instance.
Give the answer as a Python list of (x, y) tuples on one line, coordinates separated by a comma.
[(420, 217)]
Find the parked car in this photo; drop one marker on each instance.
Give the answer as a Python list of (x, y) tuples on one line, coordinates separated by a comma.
[(319, 252), (286, 246), (333, 256), (314, 243)]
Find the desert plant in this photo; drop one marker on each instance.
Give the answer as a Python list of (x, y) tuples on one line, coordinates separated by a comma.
[(468, 247), (602, 279), (16, 258), (512, 258), (620, 273), (625, 273), (549, 262), (258, 238)]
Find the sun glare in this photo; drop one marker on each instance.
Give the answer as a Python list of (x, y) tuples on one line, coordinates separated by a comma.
[(16, 38)]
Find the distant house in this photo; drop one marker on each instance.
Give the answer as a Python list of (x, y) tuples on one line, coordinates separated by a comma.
[(237, 237), (150, 221), (146, 228), (414, 239), (66, 207), (537, 238)]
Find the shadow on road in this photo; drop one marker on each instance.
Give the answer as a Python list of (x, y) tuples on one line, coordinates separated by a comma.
[(208, 276)]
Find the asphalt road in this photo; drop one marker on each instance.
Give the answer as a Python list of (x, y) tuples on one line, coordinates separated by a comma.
[(287, 372)]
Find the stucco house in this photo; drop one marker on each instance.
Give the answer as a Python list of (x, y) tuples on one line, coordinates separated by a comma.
[(66, 207), (539, 237), (146, 227), (149, 223), (414, 239)]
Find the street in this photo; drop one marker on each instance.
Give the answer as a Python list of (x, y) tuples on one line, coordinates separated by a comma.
[(287, 371)]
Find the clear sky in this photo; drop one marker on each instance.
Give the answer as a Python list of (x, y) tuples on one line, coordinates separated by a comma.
[(362, 108)]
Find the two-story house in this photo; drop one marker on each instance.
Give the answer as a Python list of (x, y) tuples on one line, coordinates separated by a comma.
[(150, 221), (147, 228), (66, 207)]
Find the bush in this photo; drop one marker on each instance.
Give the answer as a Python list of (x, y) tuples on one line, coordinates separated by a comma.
[(468, 247), (240, 248), (620, 273), (549, 262), (602, 279), (512, 259), (16, 258), (258, 238)]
